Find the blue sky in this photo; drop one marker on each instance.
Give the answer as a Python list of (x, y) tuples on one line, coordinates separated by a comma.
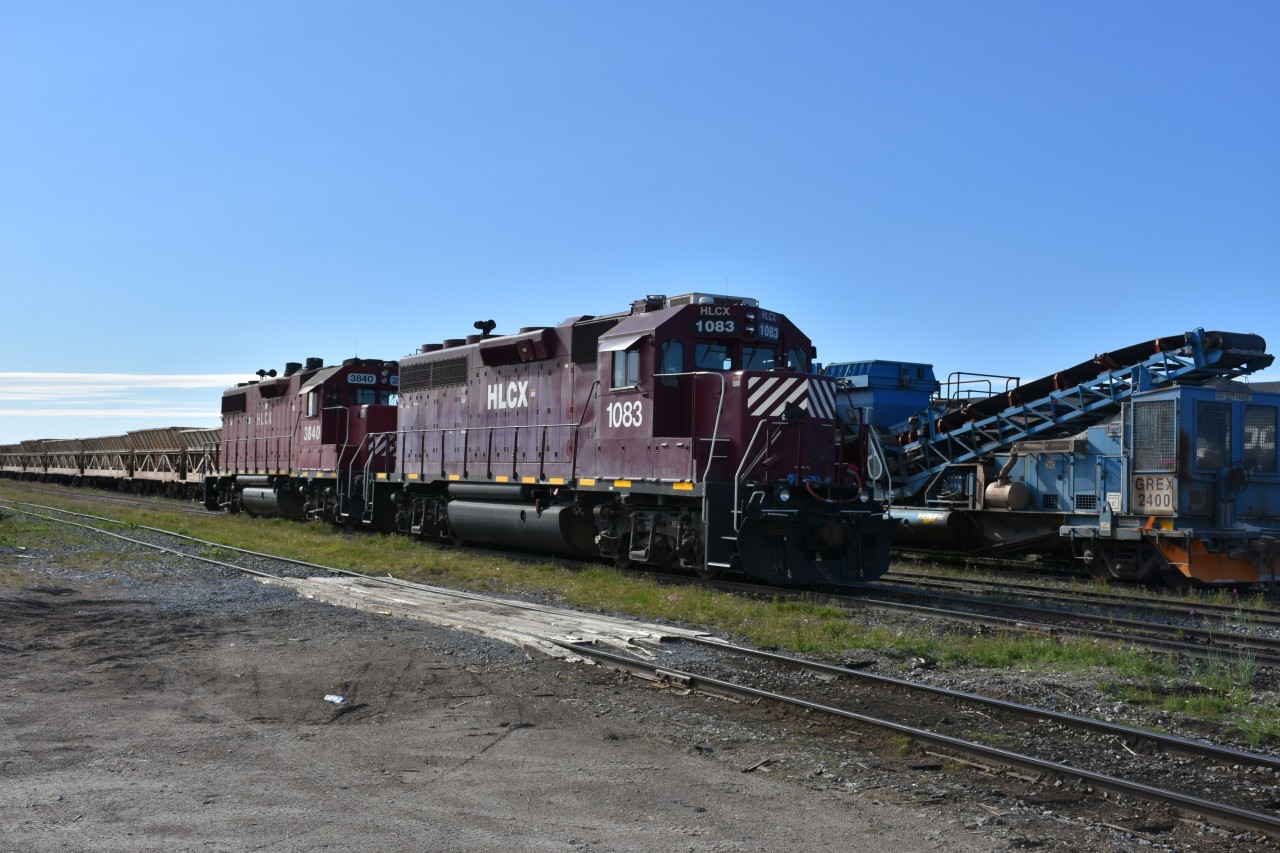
[(189, 192)]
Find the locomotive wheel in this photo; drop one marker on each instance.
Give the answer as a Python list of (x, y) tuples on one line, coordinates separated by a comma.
[(708, 573)]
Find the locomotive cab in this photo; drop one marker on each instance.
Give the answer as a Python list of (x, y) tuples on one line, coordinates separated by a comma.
[(1192, 489), (711, 395)]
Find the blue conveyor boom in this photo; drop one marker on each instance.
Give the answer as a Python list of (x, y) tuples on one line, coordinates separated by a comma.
[(1063, 403)]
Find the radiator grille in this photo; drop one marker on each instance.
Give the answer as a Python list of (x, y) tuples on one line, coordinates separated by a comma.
[(442, 373), (1087, 502), (586, 336), (1155, 433)]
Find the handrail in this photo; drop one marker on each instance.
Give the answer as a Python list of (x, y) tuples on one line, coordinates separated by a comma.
[(368, 485), (337, 463), (715, 428), (882, 461), (573, 469), (960, 378), (737, 475)]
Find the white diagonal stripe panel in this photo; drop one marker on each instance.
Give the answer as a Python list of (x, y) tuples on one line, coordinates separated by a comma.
[(768, 396)]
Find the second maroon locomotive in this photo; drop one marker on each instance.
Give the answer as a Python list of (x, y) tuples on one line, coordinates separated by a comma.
[(686, 431), (307, 444)]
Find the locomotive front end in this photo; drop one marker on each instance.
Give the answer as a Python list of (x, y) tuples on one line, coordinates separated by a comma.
[(732, 415), (801, 514)]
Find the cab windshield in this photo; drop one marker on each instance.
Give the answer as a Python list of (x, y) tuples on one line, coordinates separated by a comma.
[(372, 396), (717, 355), (727, 355)]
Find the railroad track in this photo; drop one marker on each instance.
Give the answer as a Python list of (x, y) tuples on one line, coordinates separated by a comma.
[(1187, 636), (1105, 756), (1177, 605), (985, 754), (1219, 646), (97, 496)]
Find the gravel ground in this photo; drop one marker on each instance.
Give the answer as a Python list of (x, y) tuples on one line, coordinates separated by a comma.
[(157, 703)]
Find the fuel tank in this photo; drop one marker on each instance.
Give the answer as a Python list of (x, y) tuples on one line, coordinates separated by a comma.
[(557, 528), (1014, 495), (260, 501), (927, 528)]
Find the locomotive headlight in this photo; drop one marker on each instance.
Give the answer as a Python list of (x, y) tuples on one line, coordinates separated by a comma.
[(784, 495)]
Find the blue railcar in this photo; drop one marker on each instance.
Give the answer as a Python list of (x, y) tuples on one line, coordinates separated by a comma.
[(1157, 463)]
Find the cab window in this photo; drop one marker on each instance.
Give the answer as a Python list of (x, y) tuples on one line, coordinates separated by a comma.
[(313, 402), (798, 359), (1260, 439), (759, 358), (672, 361), (712, 356), (626, 369), (1213, 435)]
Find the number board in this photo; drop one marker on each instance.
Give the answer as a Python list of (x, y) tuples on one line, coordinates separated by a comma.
[(728, 326), (1153, 494), (715, 326), (362, 378)]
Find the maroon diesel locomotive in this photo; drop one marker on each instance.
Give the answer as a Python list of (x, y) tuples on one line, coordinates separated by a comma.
[(309, 443), (686, 431)]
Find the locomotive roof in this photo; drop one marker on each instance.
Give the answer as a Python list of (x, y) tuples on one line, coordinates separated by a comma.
[(634, 327)]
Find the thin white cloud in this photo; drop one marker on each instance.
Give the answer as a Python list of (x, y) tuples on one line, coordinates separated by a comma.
[(36, 403), (104, 389), (167, 414)]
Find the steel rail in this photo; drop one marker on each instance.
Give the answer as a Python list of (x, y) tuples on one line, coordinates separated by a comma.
[(1231, 643), (133, 541), (1223, 653), (1099, 599), (176, 535), (387, 580), (1218, 812), (168, 504), (1154, 643), (1172, 742)]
